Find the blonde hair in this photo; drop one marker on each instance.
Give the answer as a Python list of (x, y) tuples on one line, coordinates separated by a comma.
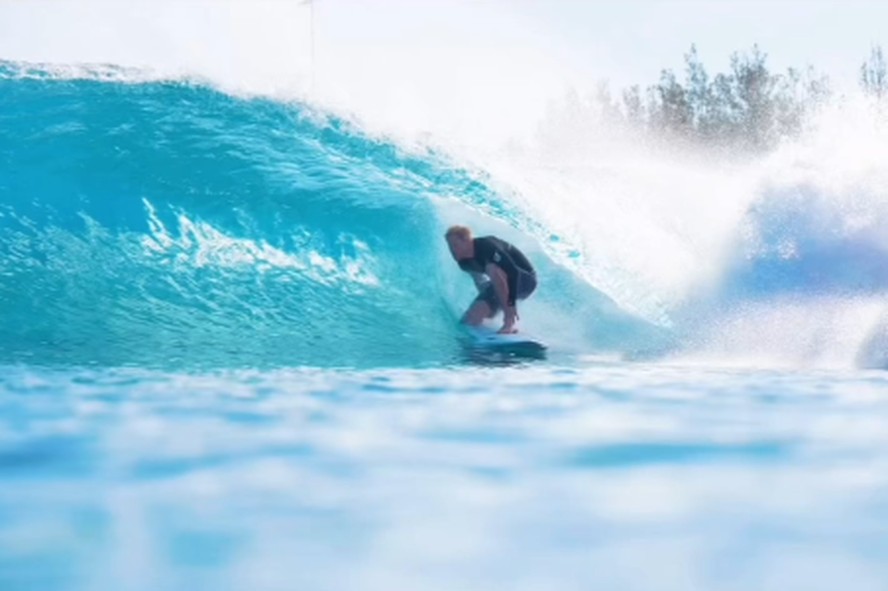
[(462, 231)]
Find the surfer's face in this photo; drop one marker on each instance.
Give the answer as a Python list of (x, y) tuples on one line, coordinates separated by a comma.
[(460, 248)]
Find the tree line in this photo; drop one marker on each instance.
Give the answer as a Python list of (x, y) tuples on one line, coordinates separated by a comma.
[(747, 108)]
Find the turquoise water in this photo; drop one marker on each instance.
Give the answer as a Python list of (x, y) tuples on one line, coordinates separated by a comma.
[(158, 224), (229, 359), (609, 476)]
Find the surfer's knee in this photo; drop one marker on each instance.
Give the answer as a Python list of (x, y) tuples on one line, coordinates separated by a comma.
[(476, 313), (471, 319)]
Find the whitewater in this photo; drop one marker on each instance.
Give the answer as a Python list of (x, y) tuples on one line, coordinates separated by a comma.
[(229, 353)]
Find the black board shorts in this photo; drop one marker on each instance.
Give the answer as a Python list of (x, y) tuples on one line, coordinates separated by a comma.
[(527, 283)]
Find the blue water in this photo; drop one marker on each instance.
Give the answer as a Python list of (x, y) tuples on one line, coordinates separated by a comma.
[(229, 360), (160, 224)]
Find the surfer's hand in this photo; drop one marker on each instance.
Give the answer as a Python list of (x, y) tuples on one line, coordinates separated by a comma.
[(511, 315)]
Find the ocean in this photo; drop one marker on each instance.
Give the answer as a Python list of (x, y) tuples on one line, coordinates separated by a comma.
[(229, 358)]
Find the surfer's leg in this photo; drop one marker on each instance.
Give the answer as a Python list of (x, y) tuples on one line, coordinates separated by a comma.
[(484, 306), (527, 283), (477, 313)]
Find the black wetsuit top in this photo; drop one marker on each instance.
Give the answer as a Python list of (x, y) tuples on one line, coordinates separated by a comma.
[(490, 249)]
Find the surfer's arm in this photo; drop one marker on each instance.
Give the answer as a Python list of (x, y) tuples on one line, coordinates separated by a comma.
[(501, 287), (500, 283)]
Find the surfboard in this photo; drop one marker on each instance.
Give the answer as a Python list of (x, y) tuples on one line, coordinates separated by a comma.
[(488, 339)]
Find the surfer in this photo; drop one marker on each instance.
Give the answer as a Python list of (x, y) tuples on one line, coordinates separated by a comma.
[(501, 273)]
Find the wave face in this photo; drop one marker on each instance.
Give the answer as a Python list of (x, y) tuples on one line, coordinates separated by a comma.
[(167, 223)]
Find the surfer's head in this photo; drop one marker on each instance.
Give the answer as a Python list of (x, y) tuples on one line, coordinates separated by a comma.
[(459, 239)]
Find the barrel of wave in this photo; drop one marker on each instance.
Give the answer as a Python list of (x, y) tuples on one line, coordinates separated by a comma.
[(169, 224)]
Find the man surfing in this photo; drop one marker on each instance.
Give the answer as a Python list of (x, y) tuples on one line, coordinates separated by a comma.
[(501, 273)]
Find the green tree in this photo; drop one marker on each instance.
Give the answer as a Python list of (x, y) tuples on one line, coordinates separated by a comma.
[(754, 87), (874, 74), (608, 110), (633, 107), (700, 96), (671, 107)]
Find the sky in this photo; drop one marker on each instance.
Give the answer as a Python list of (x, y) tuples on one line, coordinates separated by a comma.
[(482, 67), (632, 40)]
